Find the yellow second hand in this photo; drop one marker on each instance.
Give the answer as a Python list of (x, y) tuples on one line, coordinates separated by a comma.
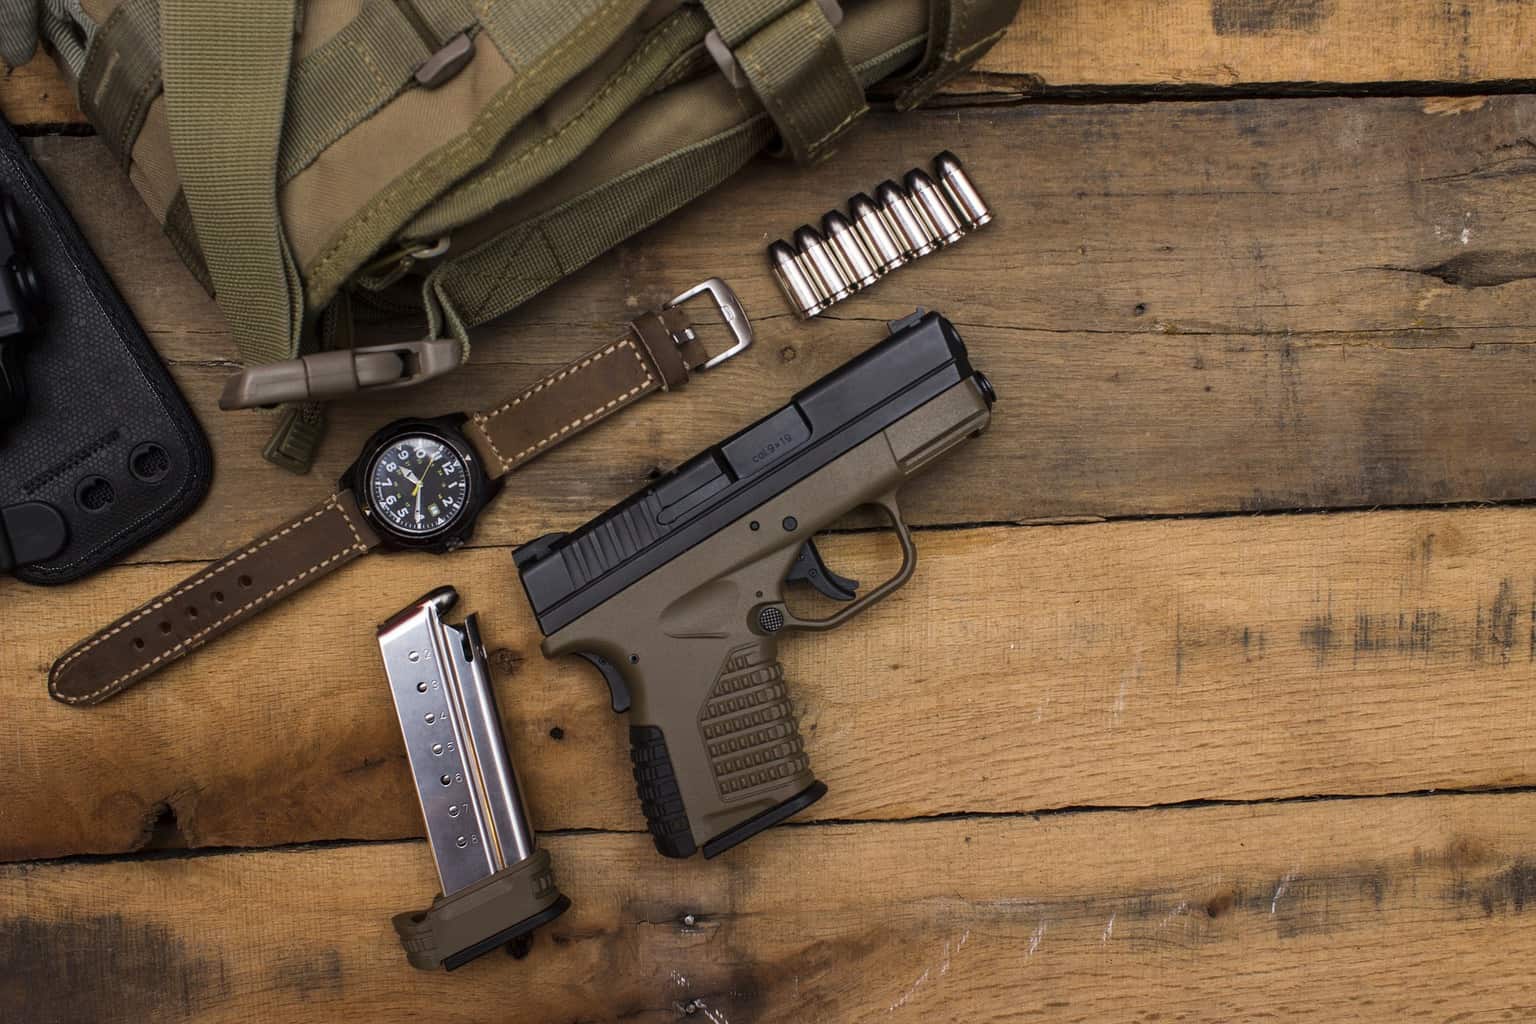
[(423, 478)]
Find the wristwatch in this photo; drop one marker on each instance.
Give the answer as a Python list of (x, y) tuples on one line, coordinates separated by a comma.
[(417, 484)]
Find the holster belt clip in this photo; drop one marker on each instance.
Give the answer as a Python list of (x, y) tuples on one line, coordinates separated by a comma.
[(341, 372)]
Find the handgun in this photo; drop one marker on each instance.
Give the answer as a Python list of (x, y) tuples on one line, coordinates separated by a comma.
[(676, 594)]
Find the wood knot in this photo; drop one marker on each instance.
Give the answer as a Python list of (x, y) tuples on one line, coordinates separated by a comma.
[(1220, 905)]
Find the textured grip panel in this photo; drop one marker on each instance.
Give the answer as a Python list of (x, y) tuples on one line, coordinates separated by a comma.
[(749, 727), (660, 798)]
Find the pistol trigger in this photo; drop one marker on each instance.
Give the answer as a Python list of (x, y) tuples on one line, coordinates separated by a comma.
[(809, 568), (618, 689)]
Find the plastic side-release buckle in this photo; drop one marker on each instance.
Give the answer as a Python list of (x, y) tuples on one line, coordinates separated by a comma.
[(341, 372), (448, 61)]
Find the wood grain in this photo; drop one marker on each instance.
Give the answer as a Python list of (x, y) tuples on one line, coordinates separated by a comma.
[(1405, 909), (1104, 47), (1212, 45), (1185, 307), (1023, 669), (37, 93)]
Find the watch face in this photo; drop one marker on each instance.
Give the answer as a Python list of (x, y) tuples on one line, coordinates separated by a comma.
[(418, 485)]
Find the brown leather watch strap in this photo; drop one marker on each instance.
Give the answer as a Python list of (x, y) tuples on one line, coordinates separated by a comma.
[(657, 354), (212, 601)]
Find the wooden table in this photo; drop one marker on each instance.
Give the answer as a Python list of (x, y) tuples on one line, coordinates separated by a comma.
[(1212, 697)]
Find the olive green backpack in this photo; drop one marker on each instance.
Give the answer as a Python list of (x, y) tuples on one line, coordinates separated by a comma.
[(304, 154)]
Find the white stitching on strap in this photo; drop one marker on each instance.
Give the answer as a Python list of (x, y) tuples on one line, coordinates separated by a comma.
[(483, 419), (333, 502)]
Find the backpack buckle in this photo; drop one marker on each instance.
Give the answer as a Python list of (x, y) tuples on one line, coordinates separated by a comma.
[(448, 61), (341, 372)]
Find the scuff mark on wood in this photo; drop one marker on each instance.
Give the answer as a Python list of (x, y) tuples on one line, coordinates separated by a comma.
[(1495, 632), (103, 967), (506, 660), (1483, 268), (1449, 105), (1268, 17), (1318, 635), (310, 975)]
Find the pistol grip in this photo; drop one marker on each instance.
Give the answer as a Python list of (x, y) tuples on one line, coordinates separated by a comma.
[(661, 799), (732, 767)]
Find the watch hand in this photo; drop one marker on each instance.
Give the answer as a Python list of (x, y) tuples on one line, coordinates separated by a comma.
[(424, 472)]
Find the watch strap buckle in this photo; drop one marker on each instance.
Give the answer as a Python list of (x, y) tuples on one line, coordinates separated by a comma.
[(731, 310), (341, 372)]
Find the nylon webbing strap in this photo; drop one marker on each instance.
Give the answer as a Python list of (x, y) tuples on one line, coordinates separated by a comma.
[(355, 72), (447, 18), (226, 81), (516, 169), (533, 33), (121, 76), (790, 55), (736, 20), (18, 34), (538, 76), (183, 236), (959, 31), (516, 266), (61, 22), (502, 273)]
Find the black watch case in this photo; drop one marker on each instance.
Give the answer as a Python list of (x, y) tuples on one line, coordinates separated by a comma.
[(481, 488)]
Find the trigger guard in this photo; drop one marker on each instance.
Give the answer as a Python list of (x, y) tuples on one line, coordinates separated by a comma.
[(618, 688), (771, 618)]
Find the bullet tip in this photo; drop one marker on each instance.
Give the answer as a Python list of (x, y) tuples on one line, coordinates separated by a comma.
[(834, 223), (917, 179)]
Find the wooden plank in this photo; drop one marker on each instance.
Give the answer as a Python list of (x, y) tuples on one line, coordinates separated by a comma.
[(1370, 910), (1120, 664), (1214, 45), (1124, 46), (37, 93), (1185, 307)]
